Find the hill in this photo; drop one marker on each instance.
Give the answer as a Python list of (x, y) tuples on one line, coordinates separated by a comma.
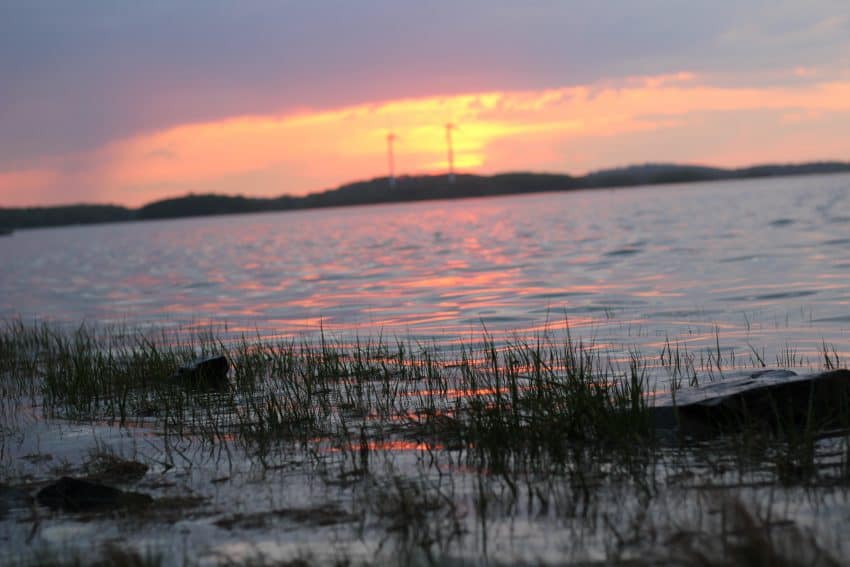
[(411, 188)]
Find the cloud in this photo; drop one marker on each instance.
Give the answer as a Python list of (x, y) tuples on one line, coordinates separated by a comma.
[(79, 75), (680, 116)]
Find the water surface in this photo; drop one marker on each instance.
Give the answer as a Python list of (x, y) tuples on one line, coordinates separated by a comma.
[(747, 266), (764, 261)]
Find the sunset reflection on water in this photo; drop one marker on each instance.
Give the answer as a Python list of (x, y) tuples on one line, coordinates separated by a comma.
[(629, 267)]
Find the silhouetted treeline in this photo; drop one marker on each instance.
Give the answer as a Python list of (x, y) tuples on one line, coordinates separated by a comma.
[(414, 188), (201, 205), (55, 216)]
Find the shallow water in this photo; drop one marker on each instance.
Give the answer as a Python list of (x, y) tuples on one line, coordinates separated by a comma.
[(762, 261), (300, 504)]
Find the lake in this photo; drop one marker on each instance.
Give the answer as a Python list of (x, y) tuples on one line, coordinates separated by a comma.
[(453, 451), (762, 262)]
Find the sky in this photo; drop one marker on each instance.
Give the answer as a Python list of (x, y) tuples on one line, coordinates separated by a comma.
[(132, 101)]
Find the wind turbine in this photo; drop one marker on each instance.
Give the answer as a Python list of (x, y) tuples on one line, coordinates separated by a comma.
[(391, 138), (449, 128)]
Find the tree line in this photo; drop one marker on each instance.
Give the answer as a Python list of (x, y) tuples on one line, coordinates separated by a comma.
[(409, 188)]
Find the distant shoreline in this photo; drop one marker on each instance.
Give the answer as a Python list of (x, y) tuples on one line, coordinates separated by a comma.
[(406, 189)]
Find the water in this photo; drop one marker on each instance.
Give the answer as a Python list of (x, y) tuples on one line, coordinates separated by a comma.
[(720, 265), (762, 261)]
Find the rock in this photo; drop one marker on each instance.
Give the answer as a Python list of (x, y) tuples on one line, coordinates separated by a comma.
[(74, 495), (206, 373), (780, 400)]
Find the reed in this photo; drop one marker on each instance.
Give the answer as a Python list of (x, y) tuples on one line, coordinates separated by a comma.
[(552, 425)]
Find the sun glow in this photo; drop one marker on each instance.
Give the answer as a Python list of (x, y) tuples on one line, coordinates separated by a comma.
[(679, 117)]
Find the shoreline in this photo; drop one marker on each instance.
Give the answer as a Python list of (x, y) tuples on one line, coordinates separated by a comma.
[(408, 189)]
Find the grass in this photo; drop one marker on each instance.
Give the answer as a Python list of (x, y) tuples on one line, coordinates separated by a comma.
[(748, 540), (510, 398), (431, 449), (504, 405), (110, 555)]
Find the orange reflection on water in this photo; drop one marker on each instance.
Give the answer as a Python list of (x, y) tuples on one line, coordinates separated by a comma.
[(400, 445), (453, 393), (457, 282)]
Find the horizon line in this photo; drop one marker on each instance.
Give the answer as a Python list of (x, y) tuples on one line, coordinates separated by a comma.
[(460, 174)]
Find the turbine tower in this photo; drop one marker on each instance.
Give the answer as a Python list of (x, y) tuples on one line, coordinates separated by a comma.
[(391, 138), (449, 128)]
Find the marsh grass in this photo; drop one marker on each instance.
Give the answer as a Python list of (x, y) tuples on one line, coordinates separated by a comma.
[(110, 555), (548, 425), (501, 403), (517, 399), (745, 538)]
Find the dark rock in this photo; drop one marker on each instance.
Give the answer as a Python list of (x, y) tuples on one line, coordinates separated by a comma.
[(779, 400), (74, 495), (205, 373)]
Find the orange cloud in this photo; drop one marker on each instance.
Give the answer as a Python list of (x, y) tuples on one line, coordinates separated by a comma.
[(24, 186), (555, 129), (354, 138), (25, 179)]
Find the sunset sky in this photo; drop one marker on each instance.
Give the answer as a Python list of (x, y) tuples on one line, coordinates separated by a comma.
[(127, 102)]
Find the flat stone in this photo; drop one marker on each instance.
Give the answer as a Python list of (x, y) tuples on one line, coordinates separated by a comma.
[(778, 399), (75, 495)]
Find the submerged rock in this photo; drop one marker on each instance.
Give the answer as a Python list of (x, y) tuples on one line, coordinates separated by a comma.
[(74, 495), (206, 373), (106, 467), (778, 399)]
